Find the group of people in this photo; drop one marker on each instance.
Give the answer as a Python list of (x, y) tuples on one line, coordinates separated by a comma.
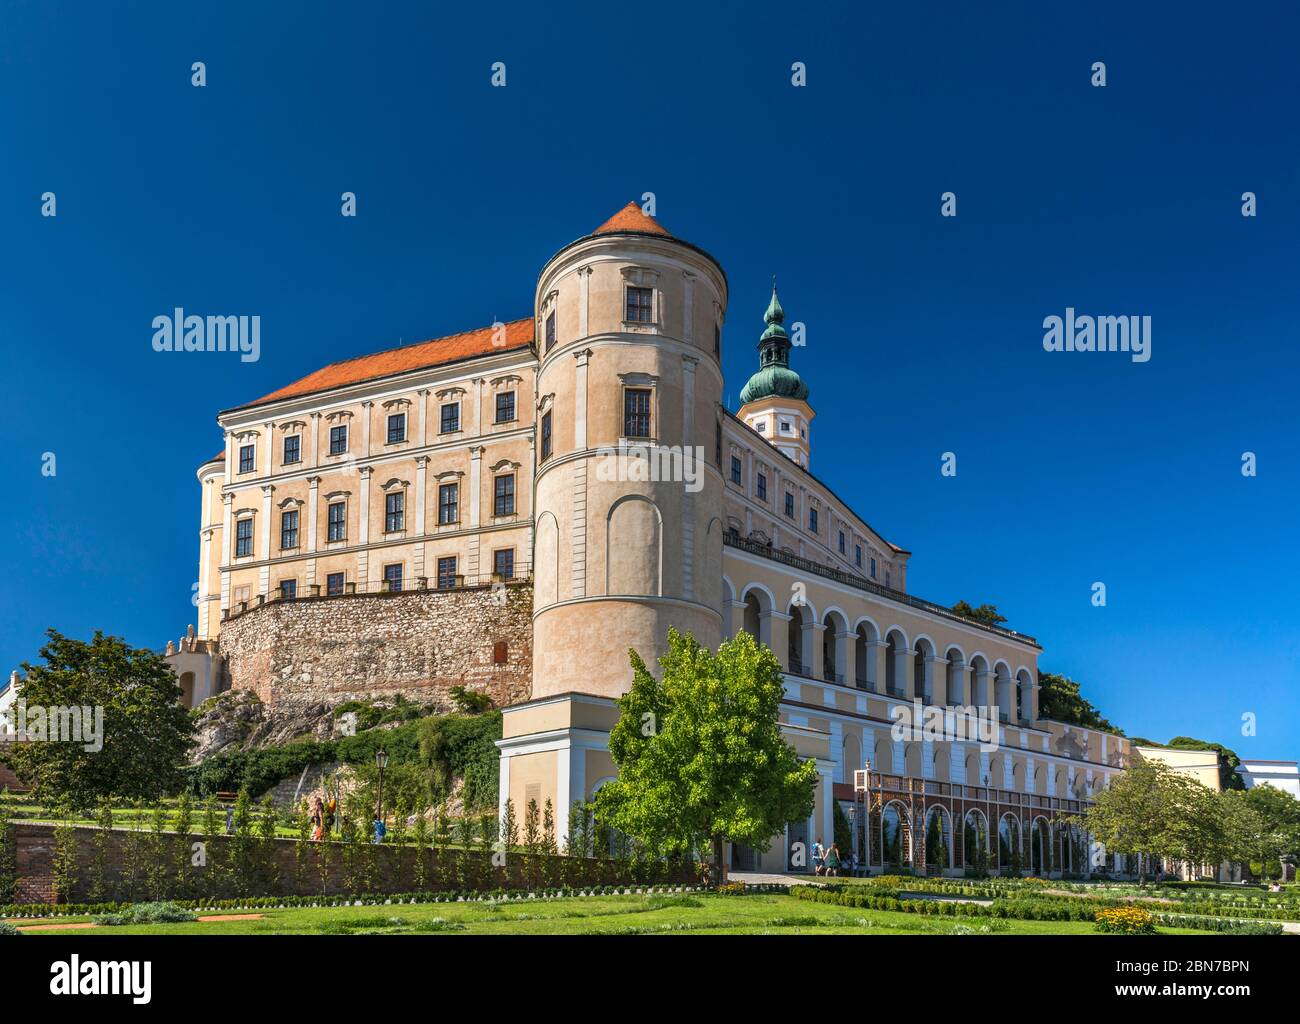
[(832, 862)]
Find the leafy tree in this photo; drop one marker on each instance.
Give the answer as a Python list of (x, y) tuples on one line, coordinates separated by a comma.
[(1269, 819), (1061, 700), (985, 613), (146, 731), (700, 753)]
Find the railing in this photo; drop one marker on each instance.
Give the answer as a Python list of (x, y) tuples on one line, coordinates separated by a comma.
[(417, 584), (733, 539)]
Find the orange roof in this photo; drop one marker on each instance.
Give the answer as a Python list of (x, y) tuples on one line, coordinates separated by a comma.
[(479, 342), (631, 218)]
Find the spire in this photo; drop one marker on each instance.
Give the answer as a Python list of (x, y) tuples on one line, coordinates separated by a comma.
[(775, 314), (774, 376)]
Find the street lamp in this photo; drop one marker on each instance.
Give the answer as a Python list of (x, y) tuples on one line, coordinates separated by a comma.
[(381, 760)]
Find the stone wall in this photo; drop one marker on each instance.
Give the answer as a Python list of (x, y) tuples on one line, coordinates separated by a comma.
[(276, 869), (418, 643)]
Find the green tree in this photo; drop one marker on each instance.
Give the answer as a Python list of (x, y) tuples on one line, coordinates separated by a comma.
[(145, 730), (985, 613), (700, 754), (1061, 700)]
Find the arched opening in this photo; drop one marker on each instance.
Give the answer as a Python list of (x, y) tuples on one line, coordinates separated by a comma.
[(1040, 848), (922, 665), (895, 836), (956, 684), (894, 642), (864, 671), (912, 762), (942, 763), (1009, 855), (1002, 692), (975, 841), (753, 617), (831, 668), (187, 689), (794, 649), (1024, 688), (938, 840), (851, 758), (979, 682)]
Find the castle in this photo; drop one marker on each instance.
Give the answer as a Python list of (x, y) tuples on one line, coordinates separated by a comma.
[(445, 513)]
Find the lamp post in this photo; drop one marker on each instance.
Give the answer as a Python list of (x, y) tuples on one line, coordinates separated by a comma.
[(381, 760)]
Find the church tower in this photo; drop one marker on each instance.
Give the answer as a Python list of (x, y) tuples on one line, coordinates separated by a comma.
[(628, 487), (775, 400)]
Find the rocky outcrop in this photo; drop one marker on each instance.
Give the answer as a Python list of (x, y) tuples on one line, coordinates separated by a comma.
[(238, 720)]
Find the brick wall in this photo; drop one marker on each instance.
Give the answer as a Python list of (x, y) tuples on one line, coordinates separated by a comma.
[(417, 643), (277, 869)]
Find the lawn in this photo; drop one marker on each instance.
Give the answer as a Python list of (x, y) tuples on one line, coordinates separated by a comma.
[(697, 913)]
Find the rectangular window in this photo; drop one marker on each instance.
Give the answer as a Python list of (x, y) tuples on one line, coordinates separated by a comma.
[(503, 501), (546, 436), (244, 537), (395, 512), (857, 555), (292, 449), (241, 595), (289, 529), (393, 576), (288, 589), (550, 330), (450, 418), (448, 504), (735, 470), (789, 504), (396, 427), (334, 584), (761, 486), (446, 572), (887, 583), (505, 407), (873, 568), (812, 519), (338, 521), (717, 340), (761, 427), (842, 542), (636, 412), (246, 458), (640, 305), (338, 439), (503, 564)]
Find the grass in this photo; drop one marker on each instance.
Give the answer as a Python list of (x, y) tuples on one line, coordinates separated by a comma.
[(699, 914)]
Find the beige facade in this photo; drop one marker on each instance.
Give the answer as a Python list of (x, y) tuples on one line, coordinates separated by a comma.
[(638, 502)]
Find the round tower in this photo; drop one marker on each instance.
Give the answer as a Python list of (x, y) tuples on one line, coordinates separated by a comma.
[(628, 488)]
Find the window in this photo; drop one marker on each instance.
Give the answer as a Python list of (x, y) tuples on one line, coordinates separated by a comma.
[(246, 459), (735, 469), (505, 407), (338, 521), (241, 595), (873, 568), (448, 504), (842, 542), (812, 519), (546, 436), (717, 340), (289, 528), (450, 418), (550, 330), (887, 583), (761, 427), (503, 564), (292, 449), (857, 555), (338, 439), (786, 428), (503, 501), (636, 412), (446, 572), (244, 537), (334, 584), (393, 576), (288, 589), (789, 504), (395, 512), (640, 305), (761, 487), (717, 445), (396, 427)]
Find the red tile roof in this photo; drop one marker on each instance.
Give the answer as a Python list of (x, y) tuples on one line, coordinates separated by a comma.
[(632, 218), (479, 342)]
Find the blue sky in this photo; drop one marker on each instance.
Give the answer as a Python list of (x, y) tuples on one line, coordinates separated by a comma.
[(924, 332)]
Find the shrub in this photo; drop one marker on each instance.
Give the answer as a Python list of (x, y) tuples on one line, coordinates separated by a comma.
[(1126, 921), (148, 913), (7, 929)]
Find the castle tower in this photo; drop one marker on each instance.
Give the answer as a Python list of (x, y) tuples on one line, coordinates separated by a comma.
[(629, 493), (775, 400)]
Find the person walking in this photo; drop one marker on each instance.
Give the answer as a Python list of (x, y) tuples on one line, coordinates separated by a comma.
[(833, 860), (819, 857)]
